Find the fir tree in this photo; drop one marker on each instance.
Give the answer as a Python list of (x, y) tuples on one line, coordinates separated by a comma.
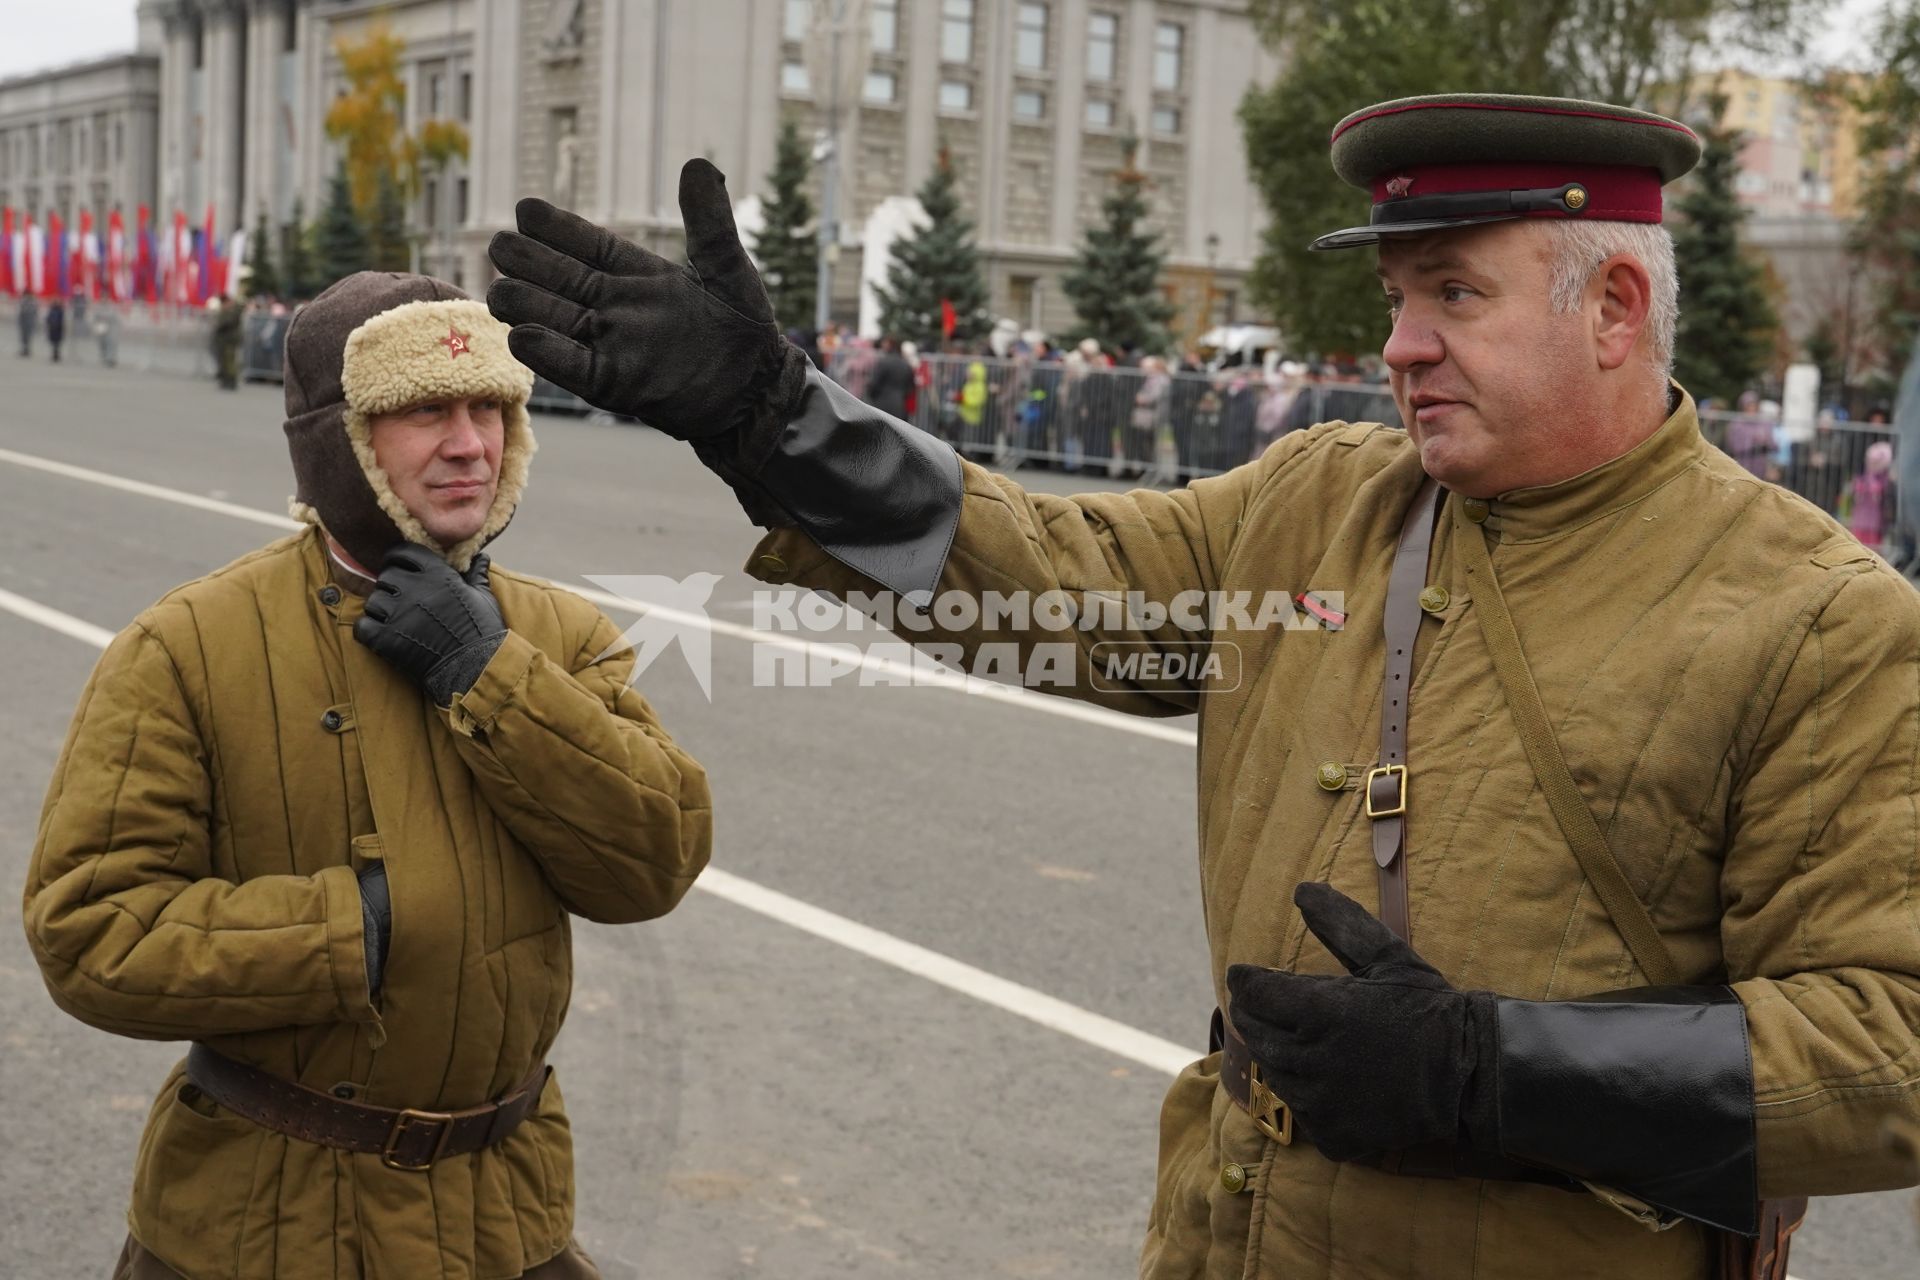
[(1727, 322), (262, 280), (937, 263), (1114, 285), (387, 239), (297, 269), (785, 248), (340, 241)]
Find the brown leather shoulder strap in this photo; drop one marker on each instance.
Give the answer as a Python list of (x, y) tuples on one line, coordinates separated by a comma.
[(1570, 810), (1386, 789)]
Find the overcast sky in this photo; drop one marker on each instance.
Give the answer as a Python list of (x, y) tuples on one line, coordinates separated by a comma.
[(46, 33)]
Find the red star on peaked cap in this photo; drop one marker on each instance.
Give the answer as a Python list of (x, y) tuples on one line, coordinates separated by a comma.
[(456, 343)]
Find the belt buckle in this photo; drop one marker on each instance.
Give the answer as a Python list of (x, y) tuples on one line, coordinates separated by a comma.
[(405, 1122), (1265, 1107), (1397, 772)]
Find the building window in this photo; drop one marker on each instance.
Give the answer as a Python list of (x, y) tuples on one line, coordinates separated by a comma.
[(956, 31), (793, 77), (1103, 43), (436, 86), (1167, 39), (289, 27), (1166, 119), (799, 19), (1022, 293), (1030, 39), (430, 202), (886, 26), (1099, 113), (460, 202), (466, 95), (882, 86), (1030, 104), (956, 95)]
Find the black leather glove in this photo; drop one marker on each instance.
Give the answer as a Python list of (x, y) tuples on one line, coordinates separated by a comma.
[(376, 920), (430, 622), (1647, 1091), (1376, 1062), (692, 350)]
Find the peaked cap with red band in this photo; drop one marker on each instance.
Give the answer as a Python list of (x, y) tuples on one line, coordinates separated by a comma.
[(1458, 159)]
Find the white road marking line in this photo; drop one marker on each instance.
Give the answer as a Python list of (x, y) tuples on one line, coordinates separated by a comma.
[(881, 667), (1071, 1020), (1084, 1025), (66, 624), (146, 490)]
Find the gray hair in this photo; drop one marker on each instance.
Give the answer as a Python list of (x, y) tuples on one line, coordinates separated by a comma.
[(1577, 249)]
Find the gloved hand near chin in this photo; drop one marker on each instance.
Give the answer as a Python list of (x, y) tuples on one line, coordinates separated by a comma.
[(431, 623), (1386, 1059), (692, 350)]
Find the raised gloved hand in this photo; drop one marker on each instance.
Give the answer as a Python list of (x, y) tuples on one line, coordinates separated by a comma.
[(692, 350), (376, 920), (431, 623), (1380, 1061)]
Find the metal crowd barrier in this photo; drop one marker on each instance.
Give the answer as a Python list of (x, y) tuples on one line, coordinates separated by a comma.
[(1120, 422)]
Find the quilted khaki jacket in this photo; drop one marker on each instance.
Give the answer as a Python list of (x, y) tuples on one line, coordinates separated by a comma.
[(236, 758), (1736, 684)]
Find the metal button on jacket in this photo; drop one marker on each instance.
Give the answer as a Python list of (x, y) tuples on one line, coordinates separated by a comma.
[(1331, 775), (1234, 1178), (329, 596), (1435, 599), (1475, 509), (331, 721)]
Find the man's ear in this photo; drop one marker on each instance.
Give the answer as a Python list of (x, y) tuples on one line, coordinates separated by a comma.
[(1623, 293)]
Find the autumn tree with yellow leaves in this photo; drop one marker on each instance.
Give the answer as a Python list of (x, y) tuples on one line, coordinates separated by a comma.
[(381, 159)]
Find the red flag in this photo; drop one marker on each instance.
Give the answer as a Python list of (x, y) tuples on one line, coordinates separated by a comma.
[(50, 274), (946, 319), (86, 259), (6, 250), (144, 281)]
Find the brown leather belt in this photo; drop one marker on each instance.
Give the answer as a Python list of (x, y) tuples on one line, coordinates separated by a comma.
[(409, 1139), (1240, 1077)]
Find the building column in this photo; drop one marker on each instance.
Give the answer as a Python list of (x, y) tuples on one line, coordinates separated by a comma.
[(1069, 116), (266, 132), (176, 131), (921, 97), (225, 110)]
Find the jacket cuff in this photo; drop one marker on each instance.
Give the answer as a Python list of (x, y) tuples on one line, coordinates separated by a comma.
[(879, 496), (1647, 1092), (498, 684)]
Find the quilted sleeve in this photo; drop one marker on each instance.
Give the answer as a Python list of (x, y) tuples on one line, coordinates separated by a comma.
[(133, 931), (575, 763)]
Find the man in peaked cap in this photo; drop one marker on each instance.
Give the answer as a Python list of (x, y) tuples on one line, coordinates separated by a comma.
[(325, 812), (1560, 901)]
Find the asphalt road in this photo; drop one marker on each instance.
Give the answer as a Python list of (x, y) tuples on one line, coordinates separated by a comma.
[(756, 1090)]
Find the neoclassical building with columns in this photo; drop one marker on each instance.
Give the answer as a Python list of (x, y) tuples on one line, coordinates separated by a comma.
[(597, 103)]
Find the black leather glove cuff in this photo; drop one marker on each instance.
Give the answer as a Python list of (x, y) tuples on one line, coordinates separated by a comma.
[(876, 494), (1646, 1091), (456, 672), (376, 922)]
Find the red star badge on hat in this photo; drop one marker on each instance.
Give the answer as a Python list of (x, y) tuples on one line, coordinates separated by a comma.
[(1399, 186), (456, 343)]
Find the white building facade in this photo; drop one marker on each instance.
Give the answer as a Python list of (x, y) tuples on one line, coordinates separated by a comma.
[(597, 103)]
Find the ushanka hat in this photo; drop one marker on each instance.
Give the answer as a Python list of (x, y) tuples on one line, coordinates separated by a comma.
[(1458, 159), (374, 343)]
